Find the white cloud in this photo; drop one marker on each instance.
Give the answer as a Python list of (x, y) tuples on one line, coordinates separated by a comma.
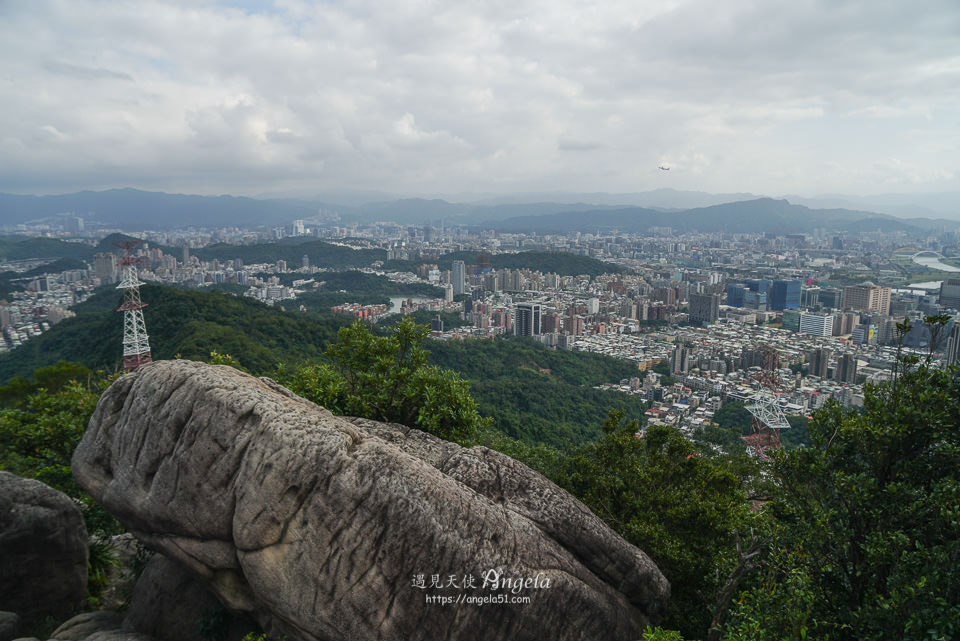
[(525, 94)]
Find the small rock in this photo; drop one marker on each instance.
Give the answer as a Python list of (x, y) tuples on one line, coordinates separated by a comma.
[(83, 625)]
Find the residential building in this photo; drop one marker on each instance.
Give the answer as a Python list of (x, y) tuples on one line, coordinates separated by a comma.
[(867, 297), (527, 319)]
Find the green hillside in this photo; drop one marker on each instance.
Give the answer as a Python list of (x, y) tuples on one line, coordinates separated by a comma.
[(20, 248), (187, 323), (511, 377)]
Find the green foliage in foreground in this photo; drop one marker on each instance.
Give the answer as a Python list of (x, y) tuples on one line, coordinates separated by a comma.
[(867, 521), (387, 378), (660, 494), (41, 424)]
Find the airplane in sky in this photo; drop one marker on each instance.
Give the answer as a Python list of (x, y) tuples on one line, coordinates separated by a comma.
[(663, 168)]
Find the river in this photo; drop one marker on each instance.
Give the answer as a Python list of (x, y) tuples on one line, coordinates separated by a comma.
[(932, 262)]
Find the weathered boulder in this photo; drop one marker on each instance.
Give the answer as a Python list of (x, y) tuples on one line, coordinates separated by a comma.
[(43, 550), (83, 625), (328, 529), (170, 603)]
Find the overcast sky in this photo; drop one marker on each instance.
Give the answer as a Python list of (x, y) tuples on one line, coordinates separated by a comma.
[(416, 97)]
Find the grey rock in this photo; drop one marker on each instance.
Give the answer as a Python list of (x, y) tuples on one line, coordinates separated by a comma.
[(43, 565), (120, 576), (83, 625), (170, 603), (320, 527), (9, 625), (121, 635), (26, 639)]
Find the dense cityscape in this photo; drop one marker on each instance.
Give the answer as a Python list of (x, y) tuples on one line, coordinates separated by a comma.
[(820, 310)]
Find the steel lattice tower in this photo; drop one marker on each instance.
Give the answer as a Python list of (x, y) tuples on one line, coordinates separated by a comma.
[(136, 343), (768, 418)]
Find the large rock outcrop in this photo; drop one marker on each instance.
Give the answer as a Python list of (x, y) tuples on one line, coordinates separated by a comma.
[(322, 528), (43, 550)]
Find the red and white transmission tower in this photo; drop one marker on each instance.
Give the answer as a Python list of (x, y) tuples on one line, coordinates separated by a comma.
[(768, 418), (136, 343)]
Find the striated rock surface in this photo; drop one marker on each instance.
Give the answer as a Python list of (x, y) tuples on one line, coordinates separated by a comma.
[(43, 550), (322, 528)]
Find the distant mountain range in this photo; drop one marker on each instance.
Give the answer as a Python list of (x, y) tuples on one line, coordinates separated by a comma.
[(760, 215), (136, 210)]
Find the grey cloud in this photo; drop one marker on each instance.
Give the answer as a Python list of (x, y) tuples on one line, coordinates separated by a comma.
[(479, 96), (87, 73), (567, 144)]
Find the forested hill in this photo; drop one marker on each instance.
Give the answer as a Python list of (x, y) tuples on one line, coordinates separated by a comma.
[(539, 395), (190, 324)]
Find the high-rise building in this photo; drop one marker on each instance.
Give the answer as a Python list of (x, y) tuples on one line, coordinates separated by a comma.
[(755, 300), (816, 324), (952, 354), (105, 266), (819, 360), (704, 308), (735, 295), (810, 297), (791, 320), (758, 285), (831, 298), (680, 358), (527, 321), (950, 293), (846, 371), (458, 276), (73, 225), (784, 294), (551, 322), (867, 297)]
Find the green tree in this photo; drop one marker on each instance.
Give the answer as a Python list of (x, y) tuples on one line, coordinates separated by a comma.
[(387, 378), (681, 508), (867, 520), (40, 430)]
